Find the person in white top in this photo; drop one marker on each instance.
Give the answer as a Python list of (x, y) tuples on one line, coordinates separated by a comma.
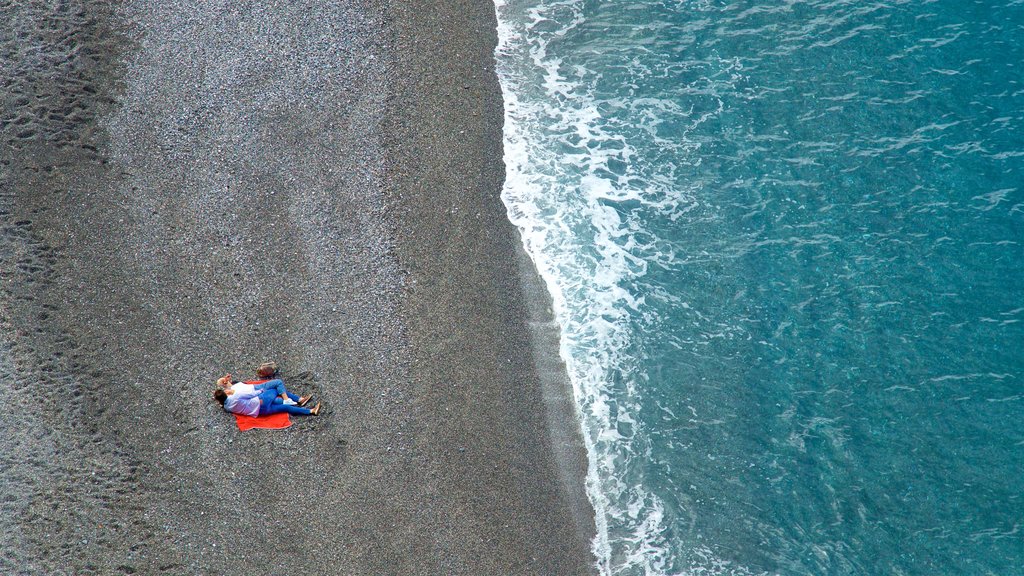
[(228, 383), (260, 399)]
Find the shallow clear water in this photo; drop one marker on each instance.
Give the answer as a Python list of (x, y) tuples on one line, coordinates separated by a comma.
[(786, 245)]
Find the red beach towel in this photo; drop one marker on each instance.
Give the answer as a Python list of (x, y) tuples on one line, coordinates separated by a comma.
[(268, 421)]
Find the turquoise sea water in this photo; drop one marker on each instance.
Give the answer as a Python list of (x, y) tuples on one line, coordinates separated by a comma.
[(785, 242)]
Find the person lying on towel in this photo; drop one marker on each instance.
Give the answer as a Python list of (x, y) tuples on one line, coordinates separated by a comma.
[(269, 397)]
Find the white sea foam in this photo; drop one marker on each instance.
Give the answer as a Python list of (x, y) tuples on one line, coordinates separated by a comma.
[(573, 179), (580, 246)]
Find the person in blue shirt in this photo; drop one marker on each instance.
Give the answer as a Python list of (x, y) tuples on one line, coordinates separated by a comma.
[(261, 399)]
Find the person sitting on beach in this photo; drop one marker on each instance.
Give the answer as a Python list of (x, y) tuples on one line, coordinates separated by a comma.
[(263, 399)]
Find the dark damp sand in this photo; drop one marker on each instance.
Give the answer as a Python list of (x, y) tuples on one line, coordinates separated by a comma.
[(186, 189)]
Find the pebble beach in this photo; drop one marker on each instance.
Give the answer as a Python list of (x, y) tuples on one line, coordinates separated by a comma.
[(192, 189)]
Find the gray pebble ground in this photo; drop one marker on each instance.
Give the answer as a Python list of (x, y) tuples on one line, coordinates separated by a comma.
[(192, 188)]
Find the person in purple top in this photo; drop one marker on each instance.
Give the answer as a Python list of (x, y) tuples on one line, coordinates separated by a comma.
[(262, 399)]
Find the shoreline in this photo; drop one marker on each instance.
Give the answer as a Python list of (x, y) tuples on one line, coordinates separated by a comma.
[(221, 199), (475, 296)]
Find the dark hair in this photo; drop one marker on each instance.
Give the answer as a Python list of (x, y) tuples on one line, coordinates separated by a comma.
[(220, 395)]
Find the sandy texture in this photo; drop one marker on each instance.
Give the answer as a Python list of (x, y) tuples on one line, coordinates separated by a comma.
[(189, 189)]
